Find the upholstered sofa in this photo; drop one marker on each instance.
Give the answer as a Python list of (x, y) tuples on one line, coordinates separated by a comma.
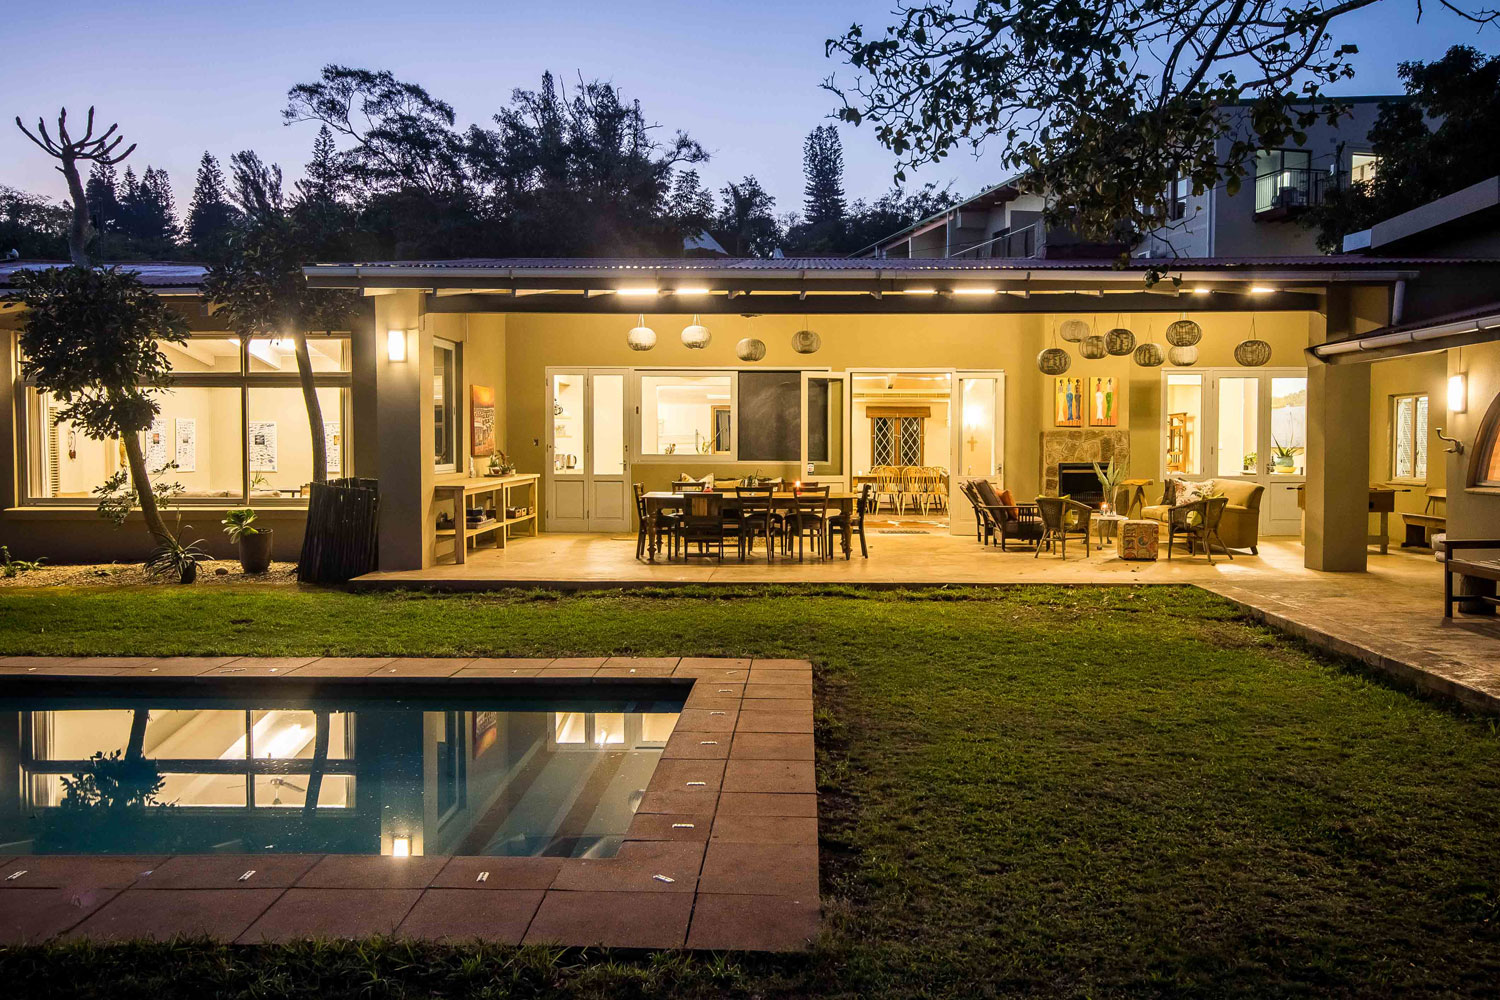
[(1240, 528)]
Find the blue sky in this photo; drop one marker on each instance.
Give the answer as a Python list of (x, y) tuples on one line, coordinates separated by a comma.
[(741, 78)]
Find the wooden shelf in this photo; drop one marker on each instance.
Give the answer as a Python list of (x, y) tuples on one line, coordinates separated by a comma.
[(517, 490)]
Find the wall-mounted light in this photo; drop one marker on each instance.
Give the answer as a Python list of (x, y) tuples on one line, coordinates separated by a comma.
[(400, 847), (395, 345), (1458, 392)]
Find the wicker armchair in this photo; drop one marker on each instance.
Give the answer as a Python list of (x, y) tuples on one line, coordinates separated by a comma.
[(1060, 518), (1202, 529), (1013, 522)]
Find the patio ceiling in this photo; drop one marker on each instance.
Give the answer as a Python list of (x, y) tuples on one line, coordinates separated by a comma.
[(838, 285)]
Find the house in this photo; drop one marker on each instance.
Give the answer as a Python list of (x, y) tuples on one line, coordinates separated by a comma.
[(1259, 220), (858, 363)]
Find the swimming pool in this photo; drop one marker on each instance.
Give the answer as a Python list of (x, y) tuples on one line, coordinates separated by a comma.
[(392, 769)]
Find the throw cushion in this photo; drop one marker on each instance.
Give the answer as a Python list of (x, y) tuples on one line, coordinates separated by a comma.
[(1187, 492), (1008, 501)]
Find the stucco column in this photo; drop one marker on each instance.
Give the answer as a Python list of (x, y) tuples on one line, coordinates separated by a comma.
[(1336, 500), (403, 426)]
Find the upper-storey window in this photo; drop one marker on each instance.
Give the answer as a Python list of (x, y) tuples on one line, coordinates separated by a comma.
[(1362, 167), (1283, 179)]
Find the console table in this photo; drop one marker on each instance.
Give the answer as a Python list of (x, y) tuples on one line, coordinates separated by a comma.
[(504, 493)]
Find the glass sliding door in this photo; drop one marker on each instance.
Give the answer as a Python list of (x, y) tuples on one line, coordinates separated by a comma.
[(1233, 423), (825, 428)]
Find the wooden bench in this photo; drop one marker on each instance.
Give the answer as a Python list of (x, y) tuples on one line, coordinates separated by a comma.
[(1418, 525), (1479, 569)]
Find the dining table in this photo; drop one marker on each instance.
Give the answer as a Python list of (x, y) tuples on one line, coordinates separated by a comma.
[(841, 502)]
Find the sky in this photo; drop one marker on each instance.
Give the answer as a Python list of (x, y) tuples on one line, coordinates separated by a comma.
[(743, 78)]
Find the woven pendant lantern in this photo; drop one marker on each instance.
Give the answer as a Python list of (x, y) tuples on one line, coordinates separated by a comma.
[(1119, 341), (1053, 361), (1254, 352), (806, 342), (750, 349), (641, 337), (695, 336), (1093, 347), (1183, 357), (1149, 356), (1073, 330), (1184, 333)]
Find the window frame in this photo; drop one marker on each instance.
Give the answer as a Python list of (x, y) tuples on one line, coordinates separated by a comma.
[(1418, 441), (455, 405), (243, 380), (637, 439), (896, 438)]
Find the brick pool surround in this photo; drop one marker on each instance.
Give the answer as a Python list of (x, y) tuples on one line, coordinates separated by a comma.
[(722, 854)]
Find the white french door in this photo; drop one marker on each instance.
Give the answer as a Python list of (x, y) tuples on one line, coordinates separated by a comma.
[(978, 438), (825, 429), (587, 467), (1239, 423)]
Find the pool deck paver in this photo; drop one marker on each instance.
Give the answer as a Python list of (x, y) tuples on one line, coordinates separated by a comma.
[(721, 854)]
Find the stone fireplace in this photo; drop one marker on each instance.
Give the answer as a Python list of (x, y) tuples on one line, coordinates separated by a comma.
[(1081, 445)]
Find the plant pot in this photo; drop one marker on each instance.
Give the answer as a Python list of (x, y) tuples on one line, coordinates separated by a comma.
[(255, 551), (1283, 461)]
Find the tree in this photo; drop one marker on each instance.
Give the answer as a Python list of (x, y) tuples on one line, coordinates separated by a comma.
[(259, 287), (103, 198), (148, 215), (69, 152), (1101, 106), (869, 222), (91, 339), (31, 226), (1439, 141), (823, 168), (691, 204), (212, 218), (746, 219)]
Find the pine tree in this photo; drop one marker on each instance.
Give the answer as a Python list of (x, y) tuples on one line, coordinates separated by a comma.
[(323, 181), (823, 166), (211, 219), (103, 197)]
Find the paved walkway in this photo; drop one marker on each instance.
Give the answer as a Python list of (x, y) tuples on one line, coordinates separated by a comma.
[(722, 853)]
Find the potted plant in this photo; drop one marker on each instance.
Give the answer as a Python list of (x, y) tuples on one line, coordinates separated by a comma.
[(1109, 480), (502, 464), (1283, 456), (254, 543)]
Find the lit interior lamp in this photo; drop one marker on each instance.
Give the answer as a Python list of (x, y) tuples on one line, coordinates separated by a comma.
[(400, 847), (1458, 393), (395, 345)]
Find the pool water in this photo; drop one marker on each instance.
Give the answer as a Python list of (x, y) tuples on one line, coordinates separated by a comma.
[(188, 774)]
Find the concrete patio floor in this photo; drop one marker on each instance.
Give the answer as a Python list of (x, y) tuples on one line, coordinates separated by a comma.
[(1390, 617)]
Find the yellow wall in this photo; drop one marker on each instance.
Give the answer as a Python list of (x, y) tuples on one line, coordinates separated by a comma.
[(1471, 513), (1399, 377)]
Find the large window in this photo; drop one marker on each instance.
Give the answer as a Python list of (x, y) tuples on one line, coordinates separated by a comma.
[(1283, 179), (1409, 438), (232, 426), (687, 414)]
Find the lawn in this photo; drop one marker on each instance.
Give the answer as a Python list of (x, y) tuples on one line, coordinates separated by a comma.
[(1031, 791)]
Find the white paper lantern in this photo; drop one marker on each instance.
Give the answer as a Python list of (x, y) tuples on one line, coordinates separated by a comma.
[(695, 336), (1073, 330), (750, 349), (1184, 333), (1183, 357), (1119, 342), (1053, 361), (641, 337), (1093, 347), (806, 342)]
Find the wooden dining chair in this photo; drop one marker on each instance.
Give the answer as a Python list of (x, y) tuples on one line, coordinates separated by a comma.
[(758, 518), (1061, 518), (889, 484), (808, 518), (690, 486), (836, 520), (703, 524)]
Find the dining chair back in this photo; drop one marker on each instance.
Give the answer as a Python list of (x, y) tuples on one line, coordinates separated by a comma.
[(758, 517), (889, 483), (1062, 517), (808, 517), (690, 486), (703, 523)]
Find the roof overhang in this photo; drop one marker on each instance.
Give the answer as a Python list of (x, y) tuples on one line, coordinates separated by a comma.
[(896, 286), (1475, 326)]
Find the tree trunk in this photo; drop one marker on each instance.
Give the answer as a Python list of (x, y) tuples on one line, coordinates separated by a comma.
[(314, 408), (320, 761), (81, 229), (142, 482)]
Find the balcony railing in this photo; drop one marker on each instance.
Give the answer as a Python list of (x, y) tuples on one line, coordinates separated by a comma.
[(1291, 189)]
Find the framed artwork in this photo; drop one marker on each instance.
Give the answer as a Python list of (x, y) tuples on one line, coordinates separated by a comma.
[(333, 440), (185, 439), (1104, 401), (156, 445), (262, 446), (482, 420), (1070, 404)]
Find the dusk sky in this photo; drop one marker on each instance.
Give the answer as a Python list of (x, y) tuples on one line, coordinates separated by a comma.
[(741, 78)]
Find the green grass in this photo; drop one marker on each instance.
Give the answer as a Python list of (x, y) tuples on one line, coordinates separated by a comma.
[(1032, 791)]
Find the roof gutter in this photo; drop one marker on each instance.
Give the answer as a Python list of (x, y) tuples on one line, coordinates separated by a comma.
[(1419, 340)]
